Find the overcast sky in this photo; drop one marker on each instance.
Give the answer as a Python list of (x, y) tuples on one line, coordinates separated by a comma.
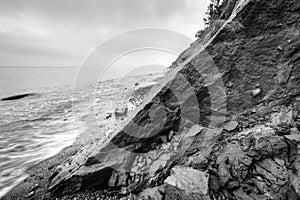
[(63, 32)]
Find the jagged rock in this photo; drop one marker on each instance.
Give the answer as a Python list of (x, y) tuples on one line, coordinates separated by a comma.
[(284, 116), (295, 137), (252, 163), (275, 173), (155, 193), (189, 180), (235, 159), (224, 173), (84, 177)]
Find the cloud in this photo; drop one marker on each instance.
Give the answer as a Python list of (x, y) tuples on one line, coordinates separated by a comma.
[(63, 32)]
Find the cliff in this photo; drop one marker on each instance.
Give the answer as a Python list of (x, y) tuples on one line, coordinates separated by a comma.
[(223, 124)]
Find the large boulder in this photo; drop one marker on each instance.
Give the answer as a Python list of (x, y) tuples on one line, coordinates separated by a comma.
[(189, 180)]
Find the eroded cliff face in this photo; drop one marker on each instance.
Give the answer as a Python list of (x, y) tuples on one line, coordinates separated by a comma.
[(224, 124)]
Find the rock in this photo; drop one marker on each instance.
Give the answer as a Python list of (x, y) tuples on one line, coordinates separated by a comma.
[(19, 96), (155, 193), (231, 126), (230, 84), (35, 186), (236, 159), (279, 48), (224, 174), (293, 137), (121, 112), (256, 92), (263, 142), (284, 116), (30, 194), (171, 134), (109, 115), (262, 111), (189, 180), (85, 177), (113, 180), (294, 131), (241, 195), (234, 174), (233, 185), (275, 173)]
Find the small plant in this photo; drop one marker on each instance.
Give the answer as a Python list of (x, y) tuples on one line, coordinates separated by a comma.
[(213, 12)]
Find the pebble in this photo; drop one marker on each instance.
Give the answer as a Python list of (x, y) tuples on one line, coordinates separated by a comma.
[(230, 84), (232, 125), (171, 134), (262, 111), (35, 186), (280, 48), (253, 110), (109, 115), (30, 194), (256, 92)]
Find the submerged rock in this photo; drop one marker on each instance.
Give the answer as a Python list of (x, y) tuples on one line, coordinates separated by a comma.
[(19, 96)]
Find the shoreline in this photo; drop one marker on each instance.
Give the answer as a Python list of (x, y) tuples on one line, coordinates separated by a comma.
[(38, 175), (35, 186)]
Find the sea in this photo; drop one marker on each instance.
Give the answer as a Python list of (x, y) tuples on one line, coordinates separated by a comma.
[(39, 126)]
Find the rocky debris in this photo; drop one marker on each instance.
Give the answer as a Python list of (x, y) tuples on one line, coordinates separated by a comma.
[(180, 121), (138, 95), (189, 180), (252, 165)]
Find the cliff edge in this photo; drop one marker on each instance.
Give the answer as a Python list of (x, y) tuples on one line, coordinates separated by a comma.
[(223, 124)]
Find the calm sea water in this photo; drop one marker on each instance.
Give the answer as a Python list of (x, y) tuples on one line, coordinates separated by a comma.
[(38, 127), (15, 80)]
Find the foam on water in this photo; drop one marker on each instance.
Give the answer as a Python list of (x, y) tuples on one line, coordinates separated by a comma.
[(38, 127), (32, 130)]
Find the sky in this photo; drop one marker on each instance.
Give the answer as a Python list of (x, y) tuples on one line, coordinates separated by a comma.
[(64, 32)]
